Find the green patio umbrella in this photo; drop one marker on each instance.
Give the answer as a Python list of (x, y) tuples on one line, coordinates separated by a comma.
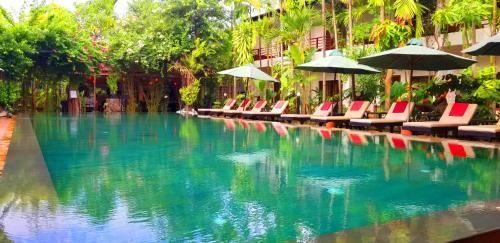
[(335, 63), (490, 46), (248, 71), (414, 56)]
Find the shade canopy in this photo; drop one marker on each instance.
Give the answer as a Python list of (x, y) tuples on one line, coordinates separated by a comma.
[(490, 46), (414, 56), (248, 71), (337, 63)]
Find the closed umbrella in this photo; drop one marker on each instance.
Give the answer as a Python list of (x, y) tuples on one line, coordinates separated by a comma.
[(336, 62), (248, 71), (490, 46), (414, 56)]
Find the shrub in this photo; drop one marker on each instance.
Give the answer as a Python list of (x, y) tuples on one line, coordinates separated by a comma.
[(189, 93)]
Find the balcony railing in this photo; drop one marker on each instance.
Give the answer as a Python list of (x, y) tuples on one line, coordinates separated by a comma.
[(273, 50)]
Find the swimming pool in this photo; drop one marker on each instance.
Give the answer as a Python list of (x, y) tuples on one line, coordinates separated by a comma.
[(149, 178)]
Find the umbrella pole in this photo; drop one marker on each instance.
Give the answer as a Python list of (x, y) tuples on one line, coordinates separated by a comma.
[(353, 88), (246, 92), (410, 83), (234, 87), (340, 92)]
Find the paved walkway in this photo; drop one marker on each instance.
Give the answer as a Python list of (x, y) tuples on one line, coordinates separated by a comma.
[(6, 130)]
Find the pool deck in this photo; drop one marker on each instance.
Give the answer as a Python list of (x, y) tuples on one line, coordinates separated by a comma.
[(7, 126), (475, 222)]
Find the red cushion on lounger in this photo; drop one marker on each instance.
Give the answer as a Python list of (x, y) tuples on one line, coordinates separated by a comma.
[(356, 139), (458, 109), (244, 103), (279, 104), (259, 104), (356, 105), (400, 107), (398, 143), (326, 106), (457, 150)]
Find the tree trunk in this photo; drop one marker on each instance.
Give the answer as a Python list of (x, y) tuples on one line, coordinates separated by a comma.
[(349, 8), (33, 96), (473, 41), (493, 28), (387, 88), (323, 47), (334, 23), (382, 13), (47, 97)]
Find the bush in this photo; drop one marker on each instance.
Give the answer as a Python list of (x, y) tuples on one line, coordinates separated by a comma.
[(10, 93), (189, 93)]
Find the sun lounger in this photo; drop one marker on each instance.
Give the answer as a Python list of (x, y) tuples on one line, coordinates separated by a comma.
[(480, 131), (397, 115), (322, 110), (277, 110), (261, 104), (455, 115), (243, 107), (228, 106), (357, 109)]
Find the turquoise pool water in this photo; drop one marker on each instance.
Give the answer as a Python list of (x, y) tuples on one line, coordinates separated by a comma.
[(150, 178)]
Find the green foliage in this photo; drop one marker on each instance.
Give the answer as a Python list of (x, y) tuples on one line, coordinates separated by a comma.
[(407, 10), (489, 90), (112, 82), (10, 93), (243, 42), (189, 93), (465, 13), (390, 34), (484, 88), (97, 17), (398, 90)]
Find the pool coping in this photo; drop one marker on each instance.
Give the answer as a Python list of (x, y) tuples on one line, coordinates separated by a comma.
[(466, 222)]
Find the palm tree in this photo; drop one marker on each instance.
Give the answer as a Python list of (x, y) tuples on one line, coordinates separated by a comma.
[(296, 25), (334, 24), (350, 34), (389, 34)]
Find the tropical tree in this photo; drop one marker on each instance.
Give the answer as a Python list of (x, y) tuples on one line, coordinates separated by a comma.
[(465, 14), (296, 24), (350, 23), (389, 34)]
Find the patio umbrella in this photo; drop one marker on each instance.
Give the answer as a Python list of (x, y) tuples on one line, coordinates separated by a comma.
[(490, 46), (248, 71), (414, 56), (337, 63)]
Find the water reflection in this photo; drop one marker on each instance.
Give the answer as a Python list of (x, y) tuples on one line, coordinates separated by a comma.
[(154, 178)]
